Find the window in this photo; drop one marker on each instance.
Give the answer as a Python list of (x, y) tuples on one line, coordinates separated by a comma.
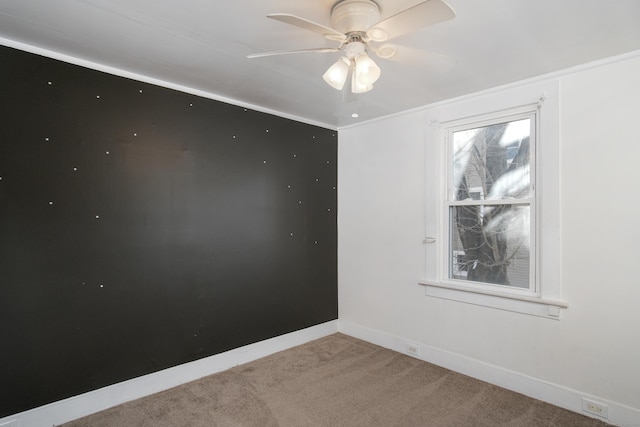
[(492, 200), (490, 204)]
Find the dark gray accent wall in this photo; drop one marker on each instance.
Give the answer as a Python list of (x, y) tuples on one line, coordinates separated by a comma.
[(142, 228)]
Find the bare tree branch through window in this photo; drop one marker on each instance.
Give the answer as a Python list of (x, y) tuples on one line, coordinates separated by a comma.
[(490, 204)]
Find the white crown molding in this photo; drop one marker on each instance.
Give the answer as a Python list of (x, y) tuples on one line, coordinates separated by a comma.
[(532, 80), (146, 79)]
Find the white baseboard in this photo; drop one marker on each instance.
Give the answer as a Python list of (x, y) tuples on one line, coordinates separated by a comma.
[(107, 397), (554, 394)]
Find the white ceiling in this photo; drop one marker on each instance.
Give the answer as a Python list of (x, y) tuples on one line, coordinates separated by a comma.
[(202, 45)]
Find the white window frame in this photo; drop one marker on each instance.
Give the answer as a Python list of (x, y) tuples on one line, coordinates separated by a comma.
[(544, 299), (526, 112)]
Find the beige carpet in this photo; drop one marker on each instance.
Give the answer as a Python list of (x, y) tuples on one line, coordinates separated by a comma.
[(336, 381)]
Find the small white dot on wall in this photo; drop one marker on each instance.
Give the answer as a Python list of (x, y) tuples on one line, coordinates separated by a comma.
[(328, 162), (299, 202), (98, 96), (50, 202), (267, 130), (315, 242), (135, 134), (0, 178), (190, 105), (314, 137), (295, 155), (75, 169), (140, 91), (234, 137), (106, 152), (47, 139), (97, 216), (291, 234), (49, 83), (245, 109), (334, 188), (317, 179), (101, 285), (264, 161), (289, 186), (329, 210)]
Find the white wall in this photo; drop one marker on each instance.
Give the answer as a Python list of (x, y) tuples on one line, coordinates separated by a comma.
[(594, 350)]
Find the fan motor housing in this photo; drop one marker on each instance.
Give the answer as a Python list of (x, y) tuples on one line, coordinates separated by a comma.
[(354, 15)]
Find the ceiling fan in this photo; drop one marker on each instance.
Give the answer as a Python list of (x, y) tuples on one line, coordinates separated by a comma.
[(357, 26)]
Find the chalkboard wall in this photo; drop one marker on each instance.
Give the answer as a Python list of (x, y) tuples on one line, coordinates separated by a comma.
[(142, 228)]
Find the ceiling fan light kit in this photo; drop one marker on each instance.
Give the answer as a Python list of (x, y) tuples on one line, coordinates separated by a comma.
[(356, 24), (336, 75), (364, 71)]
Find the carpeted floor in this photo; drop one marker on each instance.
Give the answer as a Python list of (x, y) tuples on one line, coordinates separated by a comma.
[(336, 381)]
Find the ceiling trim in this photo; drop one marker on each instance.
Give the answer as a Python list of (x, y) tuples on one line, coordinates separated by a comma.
[(531, 80), (146, 79), (186, 89)]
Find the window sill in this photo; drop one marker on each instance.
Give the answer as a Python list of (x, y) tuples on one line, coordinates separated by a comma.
[(534, 306)]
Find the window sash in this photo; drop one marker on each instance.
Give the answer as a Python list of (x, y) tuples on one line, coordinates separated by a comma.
[(526, 201), (532, 288)]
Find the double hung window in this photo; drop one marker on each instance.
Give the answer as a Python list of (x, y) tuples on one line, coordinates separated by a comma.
[(492, 199), (490, 204)]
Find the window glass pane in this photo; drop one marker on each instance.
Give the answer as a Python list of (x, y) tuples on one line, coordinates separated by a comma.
[(490, 244), (492, 162)]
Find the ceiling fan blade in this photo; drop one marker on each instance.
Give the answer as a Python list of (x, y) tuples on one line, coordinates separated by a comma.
[(287, 52), (419, 16), (328, 32)]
